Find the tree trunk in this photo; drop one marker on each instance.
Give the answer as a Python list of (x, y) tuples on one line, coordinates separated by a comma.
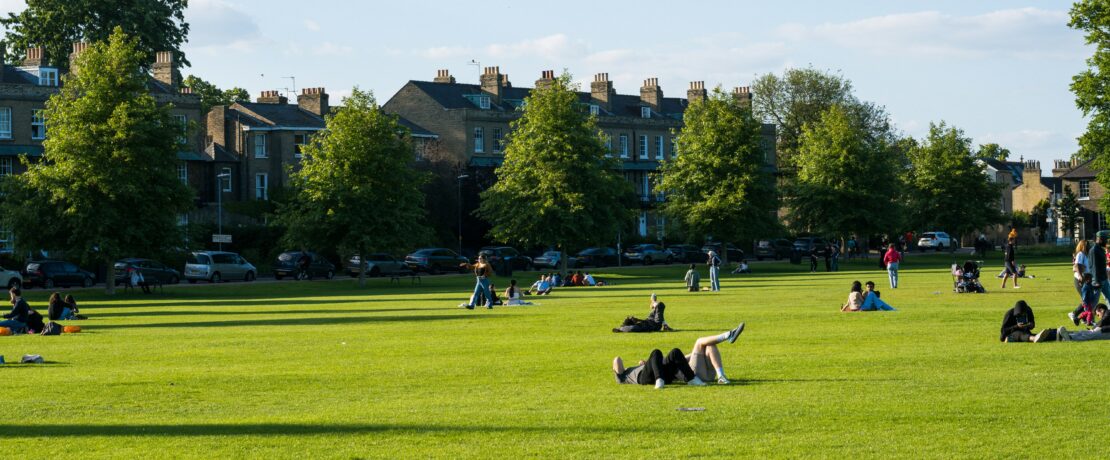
[(109, 276), (562, 261), (362, 267)]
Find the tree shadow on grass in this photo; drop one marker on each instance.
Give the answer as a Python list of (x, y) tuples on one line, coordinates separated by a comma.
[(320, 321), (264, 429), (217, 302), (157, 313)]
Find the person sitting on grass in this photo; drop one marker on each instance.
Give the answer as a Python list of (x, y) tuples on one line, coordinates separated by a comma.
[(514, 296), (693, 279), (691, 369), (872, 301), (654, 322), (1018, 324), (590, 280), (58, 309), (1085, 311), (1101, 330), (855, 298), (1021, 272), (542, 287), (72, 303), (16, 319), (742, 267)]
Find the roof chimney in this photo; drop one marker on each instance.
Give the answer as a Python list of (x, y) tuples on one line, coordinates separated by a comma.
[(272, 97), (78, 48), (165, 69), (491, 83), (505, 83), (444, 76), (697, 92), (547, 78), (651, 94), (743, 95), (36, 57), (1060, 167), (314, 100), (601, 91)]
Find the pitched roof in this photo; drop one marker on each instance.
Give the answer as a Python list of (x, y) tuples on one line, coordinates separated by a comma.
[(1052, 183), (455, 96), (415, 129), (1081, 171), (277, 115), (1015, 168)]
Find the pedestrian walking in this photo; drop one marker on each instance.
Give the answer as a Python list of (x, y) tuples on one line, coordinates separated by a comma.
[(482, 272), (714, 263), (892, 258)]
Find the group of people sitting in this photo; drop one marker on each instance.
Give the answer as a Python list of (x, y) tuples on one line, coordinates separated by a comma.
[(22, 319), (549, 281), (869, 300), (1019, 322)]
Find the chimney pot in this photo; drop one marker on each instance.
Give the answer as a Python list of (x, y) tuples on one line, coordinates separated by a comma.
[(601, 91)]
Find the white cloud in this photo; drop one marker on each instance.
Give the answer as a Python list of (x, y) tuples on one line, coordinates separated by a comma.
[(218, 26), (1026, 33), (332, 49), (311, 25)]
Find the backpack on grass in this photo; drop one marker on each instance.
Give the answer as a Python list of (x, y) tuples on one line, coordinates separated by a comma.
[(52, 328)]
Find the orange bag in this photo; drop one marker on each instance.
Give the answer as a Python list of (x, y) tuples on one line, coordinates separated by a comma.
[(5, 331), (71, 329)]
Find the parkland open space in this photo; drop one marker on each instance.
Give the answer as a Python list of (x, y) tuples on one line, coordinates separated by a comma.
[(329, 370)]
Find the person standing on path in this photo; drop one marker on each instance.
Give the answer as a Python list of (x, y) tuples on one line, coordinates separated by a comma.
[(891, 259), (482, 271), (1080, 266), (714, 263), (1097, 268), (1010, 268)]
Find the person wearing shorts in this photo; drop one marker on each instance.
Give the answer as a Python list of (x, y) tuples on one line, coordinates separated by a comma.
[(693, 369), (1010, 267)]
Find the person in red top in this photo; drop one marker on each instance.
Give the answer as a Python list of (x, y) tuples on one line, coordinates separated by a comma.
[(909, 240), (891, 259)]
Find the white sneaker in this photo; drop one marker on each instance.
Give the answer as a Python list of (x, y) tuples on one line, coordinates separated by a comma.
[(696, 382), (1073, 318), (722, 380), (659, 384)]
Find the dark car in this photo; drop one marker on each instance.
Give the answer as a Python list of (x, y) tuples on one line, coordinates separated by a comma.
[(495, 254), (596, 257), (810, 245), (777, 248), (734, 253), (648, 254), (434, 260), (686, 253), (51, 273), (151, 270), (376, 265), (286, 265)]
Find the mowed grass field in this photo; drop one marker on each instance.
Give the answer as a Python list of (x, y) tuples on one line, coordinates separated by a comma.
[(329, 370)]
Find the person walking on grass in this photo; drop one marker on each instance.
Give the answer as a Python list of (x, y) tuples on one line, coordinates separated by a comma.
[(714, 263), (1080, 266), (891, 259), (1010, 267), (693, 369), (1097, 268), (482, 272)]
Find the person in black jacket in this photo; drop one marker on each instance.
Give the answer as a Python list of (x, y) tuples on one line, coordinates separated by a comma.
[(1009, 267), (1018, 324), (655, 321), (17, 318), (1096, 257)]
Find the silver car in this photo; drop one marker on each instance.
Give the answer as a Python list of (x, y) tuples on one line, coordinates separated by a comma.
[(377, 265), (216, 266)]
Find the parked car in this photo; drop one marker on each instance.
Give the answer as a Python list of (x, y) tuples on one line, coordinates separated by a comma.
[(734, 253), (596, 257), (935, 240), (686, 253), (10, 278), (216, 266), (51, 273), (648, 254), (495, 254), (376, 265), (434, 260), (286, 265), (773, 248), (550, 259), (810, 245), (151, 270)]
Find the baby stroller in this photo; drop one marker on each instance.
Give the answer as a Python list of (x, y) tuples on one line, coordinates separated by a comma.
[(966, 278)]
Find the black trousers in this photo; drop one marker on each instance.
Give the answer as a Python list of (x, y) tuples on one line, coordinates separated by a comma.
[(673, 366)]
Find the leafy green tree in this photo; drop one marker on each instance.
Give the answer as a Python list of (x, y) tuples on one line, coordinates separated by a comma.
[(718, 184), (993, 151), (357, 189), (159, 25), (1090, 86), (947, 188), (797, 97), (107, 186), (849, 178), (1068, 210), (555, 161), (211, 95)]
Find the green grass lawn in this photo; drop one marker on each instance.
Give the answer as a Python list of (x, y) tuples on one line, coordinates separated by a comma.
[(328, 370)]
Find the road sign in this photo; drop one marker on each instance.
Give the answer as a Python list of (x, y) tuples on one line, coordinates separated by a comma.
[(217, 238)]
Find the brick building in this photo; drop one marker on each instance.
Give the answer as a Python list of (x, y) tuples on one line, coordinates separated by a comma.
[(1066, 174), (472, 121)]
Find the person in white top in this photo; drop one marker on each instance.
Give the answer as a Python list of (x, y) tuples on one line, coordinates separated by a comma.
[(1080, 265), (590, 280)]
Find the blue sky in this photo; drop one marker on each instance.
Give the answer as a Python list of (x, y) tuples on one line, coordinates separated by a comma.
[(997, 69)]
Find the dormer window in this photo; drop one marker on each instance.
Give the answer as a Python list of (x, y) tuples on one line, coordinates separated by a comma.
[(645, 112), (595, 109), (48, 76), (483, 102)]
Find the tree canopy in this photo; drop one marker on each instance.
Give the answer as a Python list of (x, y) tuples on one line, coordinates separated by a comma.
[(211, 95), (1091, 87), (356, 189), (157, 25), (993, 151), (797, 97), (107, 185), (556, 186), (719, 183)]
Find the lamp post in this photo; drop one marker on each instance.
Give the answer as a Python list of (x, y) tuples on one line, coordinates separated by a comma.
[(220, 204), (460, 179)]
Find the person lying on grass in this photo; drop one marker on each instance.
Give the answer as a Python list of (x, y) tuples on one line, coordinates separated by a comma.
[(858, 301), (653, 323), (693, 369), (1101, 331), (1018, 324)]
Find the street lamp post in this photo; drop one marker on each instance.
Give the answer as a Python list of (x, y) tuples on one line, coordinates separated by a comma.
[(220, 204), (460, 179)]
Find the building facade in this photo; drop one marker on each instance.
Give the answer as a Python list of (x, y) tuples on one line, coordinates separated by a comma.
[(473, 120), (1073, 175)]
